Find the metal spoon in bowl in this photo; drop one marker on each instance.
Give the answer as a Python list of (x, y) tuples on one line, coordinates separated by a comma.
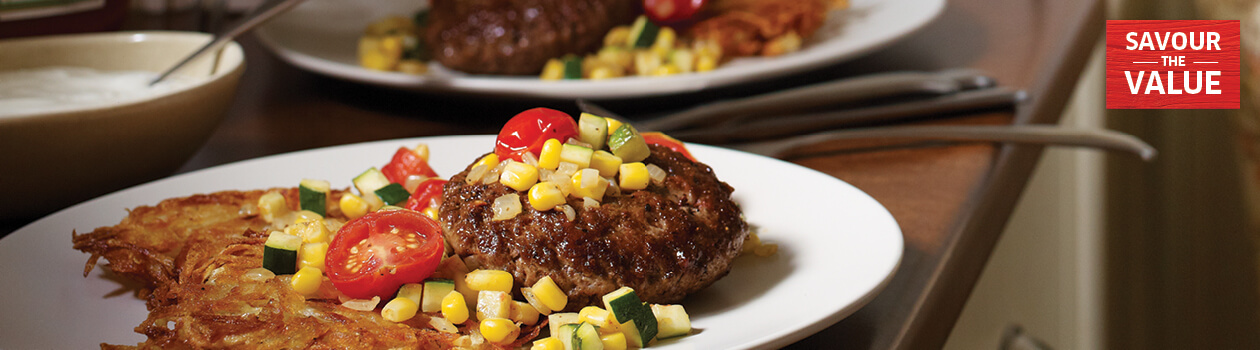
[(260, 15)]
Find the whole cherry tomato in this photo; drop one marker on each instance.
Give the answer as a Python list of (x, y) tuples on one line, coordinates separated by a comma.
[(528, 130), (406, 163), (656, 138), (667, 11), (427, 195), (379, 252)]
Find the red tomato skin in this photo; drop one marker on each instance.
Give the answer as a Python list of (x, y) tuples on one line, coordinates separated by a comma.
[(528, 130), (406, 163), (669, 11), (656, 138), (373, 278), (428, 195)]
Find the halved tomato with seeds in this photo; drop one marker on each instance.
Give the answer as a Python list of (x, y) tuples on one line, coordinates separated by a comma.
[(378, 252)]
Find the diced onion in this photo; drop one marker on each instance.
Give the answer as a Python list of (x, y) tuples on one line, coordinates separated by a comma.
[(590, 178), (589, 202), (576, 142), (414, 181), (506, 207), (259, 274), (362, 304), (492, 176), (569, 213), (656, 173), (476, 173), (567, 169), (441, 324), (563, 182), (529, 158)]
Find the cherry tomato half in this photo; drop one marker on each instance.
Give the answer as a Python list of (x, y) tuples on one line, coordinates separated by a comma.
[(406, 163), (667, 11), (427, 195), (528, 130), (656, 138), (378, 252)]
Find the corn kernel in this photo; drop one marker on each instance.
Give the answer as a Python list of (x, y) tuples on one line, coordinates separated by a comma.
[(352, 206), (545, 196), (307, 280), (553, 70), (491, 304), (431, 212), (617, 36), (548, 343), (665, 39), (519, 176), (496, 280), (499, 330), (685, 60), (490, 161), (613, 124), (272, 205), (705, 63), (588, 183), (603, 72), (606, 163), (413, 291), (311, 231), (634, 176), (533, 300), (595, 315), (422, 150), (614, 341), (400, 309), (549, 157), (454, 308), (667, 70), (550, 294), (524, 313), (646, 62), (616, 56), (312, 255)]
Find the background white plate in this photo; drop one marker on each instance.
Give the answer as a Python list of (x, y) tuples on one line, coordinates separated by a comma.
[(837, 248), (322, 35)]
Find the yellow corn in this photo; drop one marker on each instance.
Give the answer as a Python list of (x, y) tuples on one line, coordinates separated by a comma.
[(613, 124), (490, 161), (413, 291), (604, 72), (665, 39), (588, 183), (553, 70), (545, 196), (614, 341), (667, 70), (634, 176), (519, 176), (606, 163), (616, 56), (352, 206), (705, 62), (524, 313), (595, 315), (549, 157), (305, 216), (617, 36), (272, 205), (646, 62), (786, 43), (312, 255), (311, 231), (454, 308), (422, 150), (685, 60), (400, 309), (491, 304), (533, 300), (548, 343), (495, 280), (431, 212), (499, 330), (550, 294), (307, 280)]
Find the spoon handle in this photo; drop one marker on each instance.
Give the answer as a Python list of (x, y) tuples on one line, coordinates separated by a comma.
[(260, 15)]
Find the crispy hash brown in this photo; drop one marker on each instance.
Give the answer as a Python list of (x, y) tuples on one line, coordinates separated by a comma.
[(194, 254)]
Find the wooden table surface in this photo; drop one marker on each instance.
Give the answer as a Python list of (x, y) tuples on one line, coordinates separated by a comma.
[(951, 199)]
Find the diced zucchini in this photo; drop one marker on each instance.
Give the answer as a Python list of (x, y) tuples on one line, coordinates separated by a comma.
[(367, 183), (392, 194), (626, 306), (434, 290), (586, 337), (576, 154), (628, 144), (555, 320), (593, 130), (280, 253), (631, 331), (566, 333), (671, 321), (313, 195), (643, 33), (572, 67)]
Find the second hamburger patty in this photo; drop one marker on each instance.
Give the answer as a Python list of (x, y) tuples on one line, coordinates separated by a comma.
[(666, 241)]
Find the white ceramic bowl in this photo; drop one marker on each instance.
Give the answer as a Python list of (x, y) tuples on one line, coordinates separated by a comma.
[(49, 161)]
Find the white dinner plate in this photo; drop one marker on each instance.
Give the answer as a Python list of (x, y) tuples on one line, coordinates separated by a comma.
[(322, 35), (838, 247)]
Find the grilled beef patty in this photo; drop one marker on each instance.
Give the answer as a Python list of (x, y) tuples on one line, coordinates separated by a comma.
[(665, 241), (518, 36)]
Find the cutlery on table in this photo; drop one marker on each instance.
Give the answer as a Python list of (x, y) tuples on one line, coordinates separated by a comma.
[(260, 15)]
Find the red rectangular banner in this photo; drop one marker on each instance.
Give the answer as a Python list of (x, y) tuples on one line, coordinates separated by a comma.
[(1175, 64)]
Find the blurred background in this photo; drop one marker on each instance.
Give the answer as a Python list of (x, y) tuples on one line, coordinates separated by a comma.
[(1107, 252)]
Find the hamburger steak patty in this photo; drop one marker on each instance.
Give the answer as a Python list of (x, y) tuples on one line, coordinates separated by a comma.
[(666, 241), (518, 36)]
